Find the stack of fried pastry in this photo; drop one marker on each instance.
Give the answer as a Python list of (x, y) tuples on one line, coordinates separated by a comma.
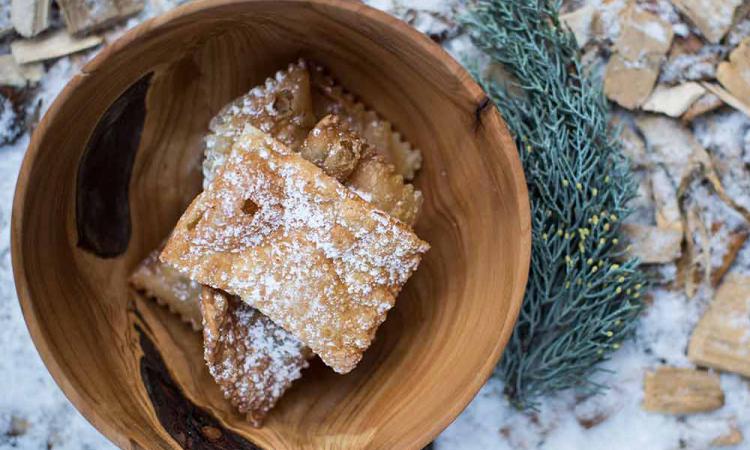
[(300, 242)]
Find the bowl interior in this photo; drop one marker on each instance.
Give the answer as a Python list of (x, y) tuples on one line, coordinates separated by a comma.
[(137, 372)]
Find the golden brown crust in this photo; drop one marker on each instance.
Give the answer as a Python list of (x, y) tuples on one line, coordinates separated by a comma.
[(294, 243), (346, 156), (252, 360), (281, 107), (330, 98), (333, 147), (378, 183), (169, 288)]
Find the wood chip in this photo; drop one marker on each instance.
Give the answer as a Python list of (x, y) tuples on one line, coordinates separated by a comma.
[(653, 245), (674, 100), (632, 144), (6, 26), (722, 337), (733, 437), (734, 74), (712, 17), (50, 46), (580, 22), (83, 16), (707, 103), (628, 84), (673, 390), (728, 98), (673, 146), (666, 201), (642, 34), (29, 17), (734, 245), (13, 74), (640, 49)]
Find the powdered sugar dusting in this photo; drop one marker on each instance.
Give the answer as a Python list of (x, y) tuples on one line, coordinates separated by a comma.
[(253, 360), (281, 107), (311, 255)]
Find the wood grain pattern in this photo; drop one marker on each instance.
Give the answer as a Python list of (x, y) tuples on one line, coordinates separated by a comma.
[(454, 317)]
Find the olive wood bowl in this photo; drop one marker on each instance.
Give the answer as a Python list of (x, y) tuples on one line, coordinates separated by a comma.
[(116, 159)]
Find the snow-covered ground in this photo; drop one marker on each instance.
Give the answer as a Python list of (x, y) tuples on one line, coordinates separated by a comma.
[(34, 414)]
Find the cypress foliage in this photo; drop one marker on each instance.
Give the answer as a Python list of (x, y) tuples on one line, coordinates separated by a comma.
[(584, 292)]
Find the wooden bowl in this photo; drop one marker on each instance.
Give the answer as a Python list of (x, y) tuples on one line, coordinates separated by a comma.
[(116, 160)]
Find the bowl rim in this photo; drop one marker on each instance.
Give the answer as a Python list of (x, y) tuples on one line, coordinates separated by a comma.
[(516, 175)]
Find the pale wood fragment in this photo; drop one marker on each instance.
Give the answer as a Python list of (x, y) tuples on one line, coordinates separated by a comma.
[(640, 49), (29, 17), (733, 437), (653, 245), (712, 17), (673, 146), (51, 46), (734, 74), (674, 100), (740, 105), (707, 103), (580, 22), (674, 390), (722, 337), (17, 75), (83, 16)]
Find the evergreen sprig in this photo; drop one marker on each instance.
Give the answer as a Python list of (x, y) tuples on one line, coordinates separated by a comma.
[(583, 295)]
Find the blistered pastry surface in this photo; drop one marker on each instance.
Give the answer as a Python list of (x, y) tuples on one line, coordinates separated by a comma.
[(296, 244), (253, 360)]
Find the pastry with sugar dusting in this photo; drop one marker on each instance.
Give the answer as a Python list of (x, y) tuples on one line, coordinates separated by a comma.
[(169, 288), (281, 106), (252, 360), (328, 97), (293, 242), (342, 154)]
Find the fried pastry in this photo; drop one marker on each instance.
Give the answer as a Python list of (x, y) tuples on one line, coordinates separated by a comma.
[(169, 288), (378, 183), (297, 245), (281, 107), (252, 360), (344, 155), (330, 98), (333, 147)]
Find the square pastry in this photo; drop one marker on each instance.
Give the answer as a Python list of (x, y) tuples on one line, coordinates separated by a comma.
[(297, 245)]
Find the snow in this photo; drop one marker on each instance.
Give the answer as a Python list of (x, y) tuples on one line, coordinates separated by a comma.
[(34, 414)]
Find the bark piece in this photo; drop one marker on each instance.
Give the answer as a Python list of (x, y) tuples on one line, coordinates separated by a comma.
[(17, 75), (734, 244), (707, 103), (673, 146), (666, 201), (632, 71), (653, 245), (629, 84), (673, 390), (83, 16), (632, 144), (29, 17), (712, 17), (580, 22), (6, 26), (734, 74), (642, 34), (674, 101), (733, 437), (51, 46), (722, 337), (728, 98)]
